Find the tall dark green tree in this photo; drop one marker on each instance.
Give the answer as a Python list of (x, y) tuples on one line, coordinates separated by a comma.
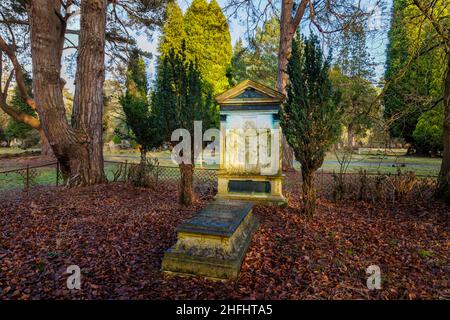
[(418, 71), (352, 75), (413, 72), (135, 104), (181, 97), (311, 118), (259, 59), (429, 131)]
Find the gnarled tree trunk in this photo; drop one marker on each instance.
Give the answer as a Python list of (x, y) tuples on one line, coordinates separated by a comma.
[(443, 188), (46, 149), (77, 148)]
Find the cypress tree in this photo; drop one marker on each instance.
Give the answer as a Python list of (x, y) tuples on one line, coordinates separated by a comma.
[(136, 107), (208, 42), (195, 24), (311, 119), (173, 33), (180, 98), (259, 60), (352, 74)]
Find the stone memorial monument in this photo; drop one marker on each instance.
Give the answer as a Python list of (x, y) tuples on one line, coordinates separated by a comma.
[(213, 243), (250, 157)]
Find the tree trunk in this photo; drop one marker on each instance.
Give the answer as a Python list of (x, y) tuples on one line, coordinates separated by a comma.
[(309, 192), (287, 31), (443, 188), (46, 149), (287, 155), (350, 136), (89, 79), (141, 174), (78, 149), (143, 153), (185, 192), (284, 52), (288, 26)]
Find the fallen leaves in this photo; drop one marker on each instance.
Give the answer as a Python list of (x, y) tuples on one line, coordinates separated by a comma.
[(117, 234)]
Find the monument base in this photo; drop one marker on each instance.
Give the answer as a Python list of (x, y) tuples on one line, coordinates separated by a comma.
[(261, 199), (213, 243), (251, 187)]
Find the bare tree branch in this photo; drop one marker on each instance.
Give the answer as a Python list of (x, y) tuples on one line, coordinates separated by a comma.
[(18, 71)]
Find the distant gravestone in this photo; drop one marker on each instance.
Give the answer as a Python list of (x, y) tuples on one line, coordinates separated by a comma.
[(112, 146)]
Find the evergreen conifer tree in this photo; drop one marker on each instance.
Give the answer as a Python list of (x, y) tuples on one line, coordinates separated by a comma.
[(310, 119), (412, 83), (135, 104), (173, 33), (352, 74), (180, 98), (208, 42), (258, 60)]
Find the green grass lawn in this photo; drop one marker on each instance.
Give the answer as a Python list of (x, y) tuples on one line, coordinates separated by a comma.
[(16, 150), (46, 176), (134, 156), (385, 164), (12, 180), (371, 163)]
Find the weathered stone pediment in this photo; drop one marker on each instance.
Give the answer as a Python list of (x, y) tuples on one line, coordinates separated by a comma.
[(250, 92)]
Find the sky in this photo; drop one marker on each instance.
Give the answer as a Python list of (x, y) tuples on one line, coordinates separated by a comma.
[(376, 45)]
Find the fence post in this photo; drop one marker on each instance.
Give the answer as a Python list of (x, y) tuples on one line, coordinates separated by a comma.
[(125, 171), (157, 173), (321, 183), (57, 173), (27, 183)]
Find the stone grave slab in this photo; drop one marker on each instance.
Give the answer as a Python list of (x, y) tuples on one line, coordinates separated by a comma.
[(213, 243)]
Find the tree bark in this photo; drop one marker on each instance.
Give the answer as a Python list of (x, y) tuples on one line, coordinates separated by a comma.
[(284, 52), (186, 192), (287, 155), (87, 113), (143, 154), (78, 149), (20, 116), (443, 188), (288, 25), (309, 192), (46, 149), (286, 36)]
